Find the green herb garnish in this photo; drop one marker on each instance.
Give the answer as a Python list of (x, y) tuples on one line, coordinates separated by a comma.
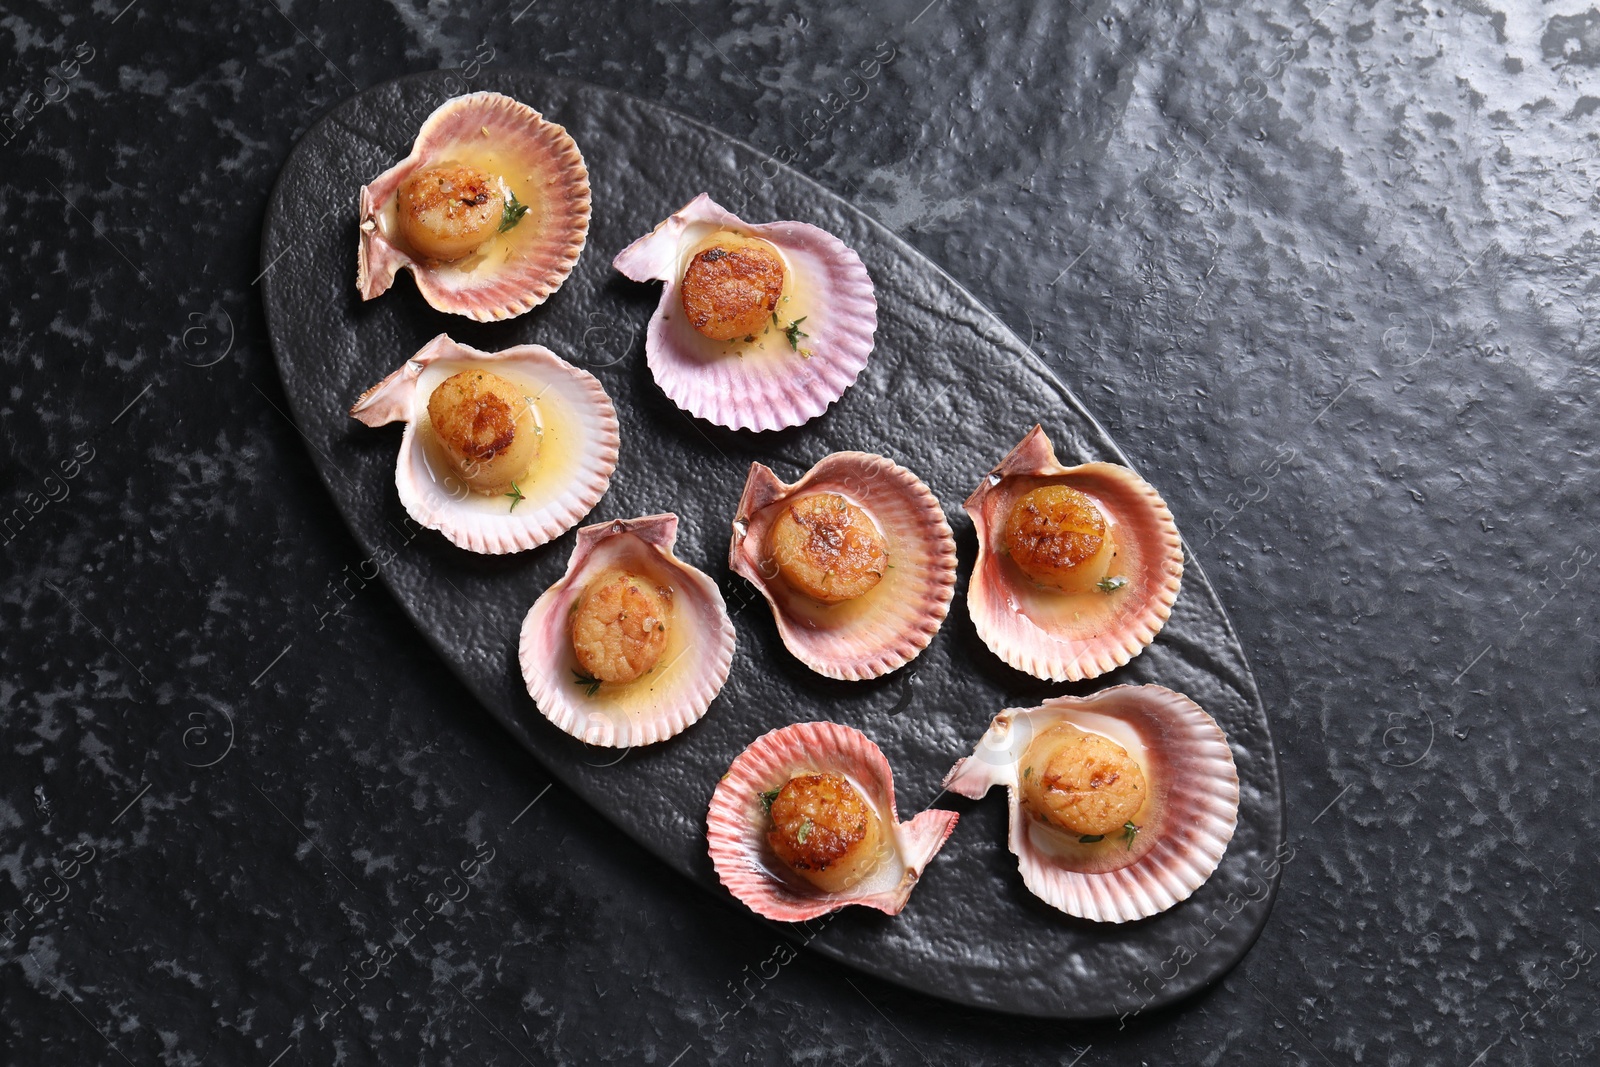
[(766, 800), (1089, 839), (516, 497), (804, 832), (1026, 771), (591, 685), (513, 213), (1129, 832), (793, 332), (1111, 585)]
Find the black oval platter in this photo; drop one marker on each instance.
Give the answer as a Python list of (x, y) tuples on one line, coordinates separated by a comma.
[(948, 391)]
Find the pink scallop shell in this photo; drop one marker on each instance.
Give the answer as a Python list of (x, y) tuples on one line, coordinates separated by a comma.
[(737, 823), (1148, 544), (550, 158), (439, 501), (1189, 764), (914, 596), (687, 684), (759, 394)]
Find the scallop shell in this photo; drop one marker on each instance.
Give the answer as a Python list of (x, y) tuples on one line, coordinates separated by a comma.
[(736, 823), (671, 697), (892, 623), (770, 389), (1193, 805), (1037, 631), (576, 460), (520, 270)]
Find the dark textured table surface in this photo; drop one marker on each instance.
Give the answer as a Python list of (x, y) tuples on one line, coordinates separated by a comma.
[(1325, 272)]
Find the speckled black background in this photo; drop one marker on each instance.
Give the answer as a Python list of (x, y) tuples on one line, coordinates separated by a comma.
[(1350, 245)]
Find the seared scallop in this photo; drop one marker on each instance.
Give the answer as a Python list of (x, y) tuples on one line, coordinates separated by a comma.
[(1058, 536), (488, 428), (1081, 782), (619, 626), (449, 210), (825, 830), (732, 286), (827, 548)]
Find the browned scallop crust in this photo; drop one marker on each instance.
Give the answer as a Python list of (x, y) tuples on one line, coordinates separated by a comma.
[(817, 819), (1082, 782), (619, 627), (448, 210), (452, 186), (1054, 528), (472, 415), (828, 548), (732, 292)]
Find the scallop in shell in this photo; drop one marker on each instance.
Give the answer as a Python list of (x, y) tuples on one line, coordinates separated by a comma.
[(631, 645), (1122, 802), (856, 560), (1078, 567), (804, 822), (760, 326), (489, 212), (502, 451)]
